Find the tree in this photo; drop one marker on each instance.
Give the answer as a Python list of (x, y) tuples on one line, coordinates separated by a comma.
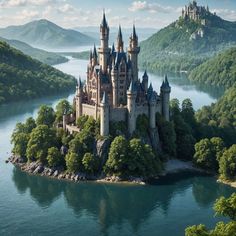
[(174, 107), (20, 144), (73, 162), (29, 125), (54, 157), (46, 116), (41, 139), (63, 107), (225, 207), (117, 157), (208, 153), (142, 124), (90, 163), (228, 163)]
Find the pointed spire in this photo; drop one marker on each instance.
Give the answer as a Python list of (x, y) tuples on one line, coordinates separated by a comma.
[(120, 33), (95, 55), (132, 87), (91, 55), (145, 74), (166, 81), (134, 35), (104, 21), (104, 98), (79, 83), (113, 48)]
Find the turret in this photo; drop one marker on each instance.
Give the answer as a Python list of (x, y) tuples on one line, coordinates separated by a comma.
[(131, 98), (94, 56), (165, 95), (104, 116), (152, 110), (104, 49), (145, 81), (120, 43), (133, 51), (114, 79), (79, 98)]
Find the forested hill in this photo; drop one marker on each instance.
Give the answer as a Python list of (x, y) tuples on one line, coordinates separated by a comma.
[(22, 77), (220, 70), (185, 43), (49, 58)]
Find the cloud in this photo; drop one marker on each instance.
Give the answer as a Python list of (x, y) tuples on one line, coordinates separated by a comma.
[(20, 3), (226, 13), (150, 7), (67, 8)]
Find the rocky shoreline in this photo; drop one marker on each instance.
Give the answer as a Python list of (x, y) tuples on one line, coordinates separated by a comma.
[(37, 168), (227, 182)]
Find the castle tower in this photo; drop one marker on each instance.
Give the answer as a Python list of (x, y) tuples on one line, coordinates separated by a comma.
[(94, 56), (79, 97), (114, 80), (165, 95), (133, 51), (104, 116), (120, 43), (131, 97), (104, 49), (152, 111), (145, 81)]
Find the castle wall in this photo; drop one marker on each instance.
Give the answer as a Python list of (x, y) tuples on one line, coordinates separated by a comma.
[(89, 110), (118, 114), (142, 109)]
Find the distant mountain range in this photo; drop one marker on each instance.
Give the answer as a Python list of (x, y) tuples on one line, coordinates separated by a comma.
[(143, 33), (49, 58), (186, 43), (45, 34)]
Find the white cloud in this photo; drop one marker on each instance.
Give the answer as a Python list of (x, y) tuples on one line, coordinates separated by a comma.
[(20, 3), (67, 8), (150, 7), (228, 14)]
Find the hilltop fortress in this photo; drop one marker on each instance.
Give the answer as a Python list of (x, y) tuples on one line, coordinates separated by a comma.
[(113, 91)]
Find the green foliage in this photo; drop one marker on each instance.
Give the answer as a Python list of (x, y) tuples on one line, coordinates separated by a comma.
[(21, 77), (208, 152), (54, 157), (81, 121), (63, 107), (73, 162), (90, 163), (41, 139), (171, 48), (167, 136), (117, 157), (225, 207), (141, 160), (219, 119), (228, 163), (118, 128), (142, 124), (220, 70), (46, 116)]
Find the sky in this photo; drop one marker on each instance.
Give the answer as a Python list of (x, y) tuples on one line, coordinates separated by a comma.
[(76, 13)]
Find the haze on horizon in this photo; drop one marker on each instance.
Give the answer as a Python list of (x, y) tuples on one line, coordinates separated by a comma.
[(79, 13)]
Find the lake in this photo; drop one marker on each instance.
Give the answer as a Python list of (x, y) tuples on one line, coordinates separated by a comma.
[(32, 205)]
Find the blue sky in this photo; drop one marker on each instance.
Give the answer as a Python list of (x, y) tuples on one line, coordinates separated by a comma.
[(73, 13)]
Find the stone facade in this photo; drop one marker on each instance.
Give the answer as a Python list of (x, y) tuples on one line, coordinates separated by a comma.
[(195, 12), (113, 90)]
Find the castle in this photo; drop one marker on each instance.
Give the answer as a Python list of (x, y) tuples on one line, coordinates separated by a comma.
[(113, 91), (195, 12)]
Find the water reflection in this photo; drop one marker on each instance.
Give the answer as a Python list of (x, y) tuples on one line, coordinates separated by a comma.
[(113, 205)]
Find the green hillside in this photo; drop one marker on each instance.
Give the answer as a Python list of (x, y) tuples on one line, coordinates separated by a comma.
[(220, 70), (185, 44), (45, 34), (22, 77), (49, 58)]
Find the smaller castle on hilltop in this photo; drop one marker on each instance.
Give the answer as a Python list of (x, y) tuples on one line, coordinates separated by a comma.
[(113, 91), (195, 12)]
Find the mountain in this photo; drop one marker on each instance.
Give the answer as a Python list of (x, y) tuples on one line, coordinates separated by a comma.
[(219, 70), (143, 33), (45, 34), (187, 42), (22, 77), (49, 58)]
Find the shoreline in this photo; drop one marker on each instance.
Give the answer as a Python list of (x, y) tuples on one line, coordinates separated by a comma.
[(227, 182), (173, 166)]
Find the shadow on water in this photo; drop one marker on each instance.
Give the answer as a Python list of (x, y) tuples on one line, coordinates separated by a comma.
[(114, 204)]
